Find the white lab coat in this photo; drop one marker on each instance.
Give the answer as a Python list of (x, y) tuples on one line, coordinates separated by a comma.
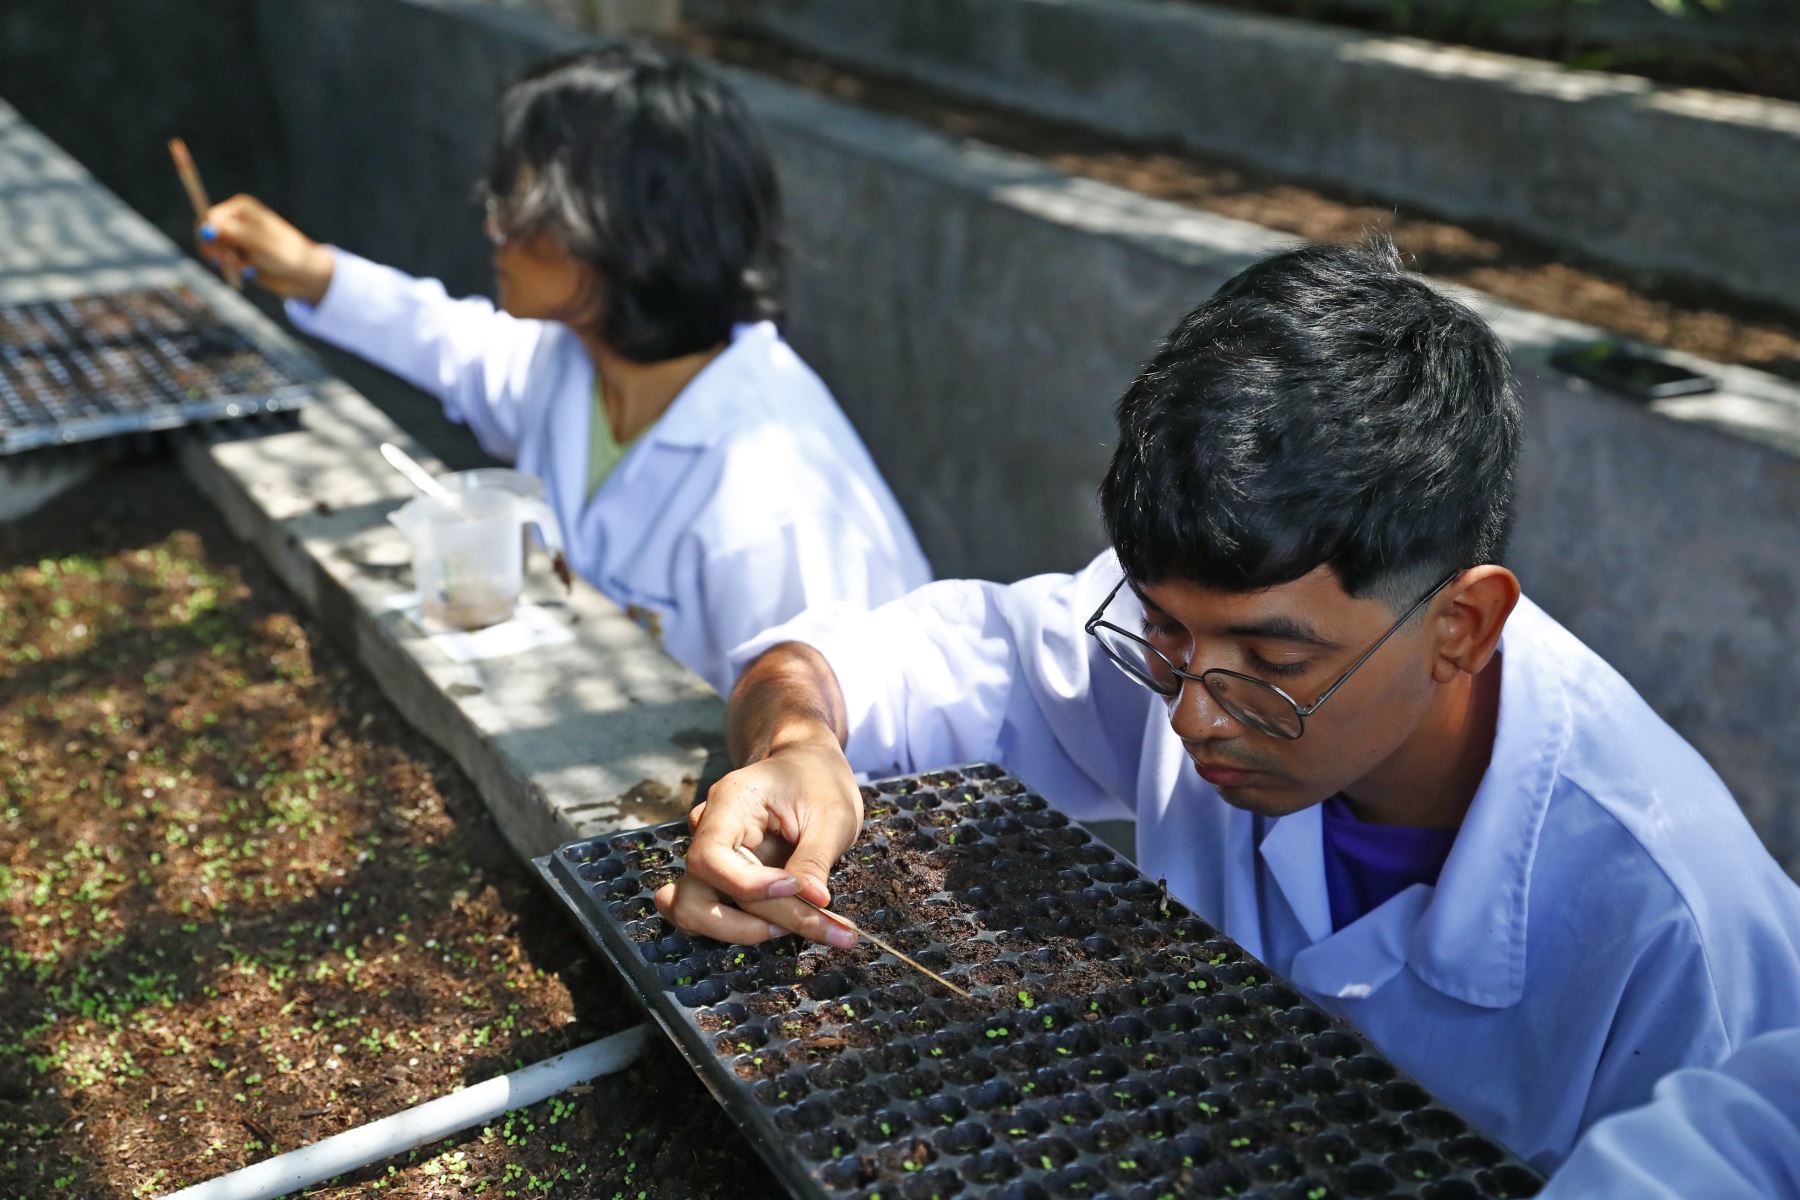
[(749, 500), (1727, 1134), (1605, 916)]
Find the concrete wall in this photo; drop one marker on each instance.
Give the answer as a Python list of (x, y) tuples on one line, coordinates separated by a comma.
[(1689, 182), (978, 314)]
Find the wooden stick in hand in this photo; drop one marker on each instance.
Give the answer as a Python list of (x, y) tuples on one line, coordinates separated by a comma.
[(196, 191), (853, 927)]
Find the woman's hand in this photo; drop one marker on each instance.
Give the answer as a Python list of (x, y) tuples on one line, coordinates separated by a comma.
[(245, 236)]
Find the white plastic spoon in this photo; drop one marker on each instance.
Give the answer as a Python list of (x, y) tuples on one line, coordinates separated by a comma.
[(418, 476)]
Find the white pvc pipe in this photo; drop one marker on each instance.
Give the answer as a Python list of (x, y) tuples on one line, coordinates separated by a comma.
[(427, 1122)]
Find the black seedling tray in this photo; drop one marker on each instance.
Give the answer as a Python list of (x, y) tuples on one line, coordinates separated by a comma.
[(129, 362), (1118, 1046)]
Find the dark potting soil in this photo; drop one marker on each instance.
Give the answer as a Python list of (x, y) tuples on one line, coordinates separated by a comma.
[(1115, 1043)]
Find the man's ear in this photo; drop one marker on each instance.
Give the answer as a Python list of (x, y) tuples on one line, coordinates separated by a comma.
[(1469, 617)]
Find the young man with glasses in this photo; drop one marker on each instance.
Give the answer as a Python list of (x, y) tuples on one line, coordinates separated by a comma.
[(1345, 737)]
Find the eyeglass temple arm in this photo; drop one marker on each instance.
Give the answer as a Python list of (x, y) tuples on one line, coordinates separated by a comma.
[(1422, 601)]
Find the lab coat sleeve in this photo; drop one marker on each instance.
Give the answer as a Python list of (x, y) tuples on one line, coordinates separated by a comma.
[(1667, 1017), (800, 564), (473, 358), (1727, 1134), (962, 670)]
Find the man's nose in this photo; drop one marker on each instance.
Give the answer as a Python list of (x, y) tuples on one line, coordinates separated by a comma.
[(1195, 715)]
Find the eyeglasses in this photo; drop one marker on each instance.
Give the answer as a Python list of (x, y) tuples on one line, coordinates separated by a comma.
[(1250, 701)]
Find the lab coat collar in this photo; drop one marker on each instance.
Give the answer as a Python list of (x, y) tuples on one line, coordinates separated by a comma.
[(709, 405), (1466, 937), (1294, 851), (1470, 943)]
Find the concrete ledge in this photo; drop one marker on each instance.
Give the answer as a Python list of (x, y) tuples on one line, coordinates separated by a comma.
[(607, 732), (1695, 183)]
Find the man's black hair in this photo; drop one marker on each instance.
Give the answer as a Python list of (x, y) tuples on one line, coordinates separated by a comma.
[(653, 172), (1322, 408)]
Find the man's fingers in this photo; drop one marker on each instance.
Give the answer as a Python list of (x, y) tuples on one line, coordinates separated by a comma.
[(823, 840), (791, 916), (693, 906), (714, 856)]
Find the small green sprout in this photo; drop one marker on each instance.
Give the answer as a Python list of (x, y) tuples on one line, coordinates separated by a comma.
[(1026, 1000), (1045, 1160)]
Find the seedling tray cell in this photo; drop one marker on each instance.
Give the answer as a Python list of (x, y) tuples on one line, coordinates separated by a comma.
[(1118, 1046), (129, 362)]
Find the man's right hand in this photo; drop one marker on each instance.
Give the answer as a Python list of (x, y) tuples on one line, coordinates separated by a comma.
[(795, 805), (245, 236)]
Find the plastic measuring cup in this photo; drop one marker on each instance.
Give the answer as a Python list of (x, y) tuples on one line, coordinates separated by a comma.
[(507, 480), (466, 561)]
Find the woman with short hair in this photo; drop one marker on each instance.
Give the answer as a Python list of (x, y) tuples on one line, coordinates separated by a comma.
[(703, 475)]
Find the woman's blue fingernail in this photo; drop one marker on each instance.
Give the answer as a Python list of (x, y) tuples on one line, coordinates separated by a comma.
[(208, 233), (249, 273)]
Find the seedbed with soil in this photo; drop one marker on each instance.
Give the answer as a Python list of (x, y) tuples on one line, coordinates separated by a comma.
[(1114, 1043), (100, 366), (1663, 311), (244, 907)]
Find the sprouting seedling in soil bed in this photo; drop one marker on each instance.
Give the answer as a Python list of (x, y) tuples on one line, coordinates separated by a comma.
[(1026, 1000)]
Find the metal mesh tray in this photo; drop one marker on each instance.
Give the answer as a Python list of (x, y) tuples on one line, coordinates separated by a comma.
[(1118, 1046), (127, 362)]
